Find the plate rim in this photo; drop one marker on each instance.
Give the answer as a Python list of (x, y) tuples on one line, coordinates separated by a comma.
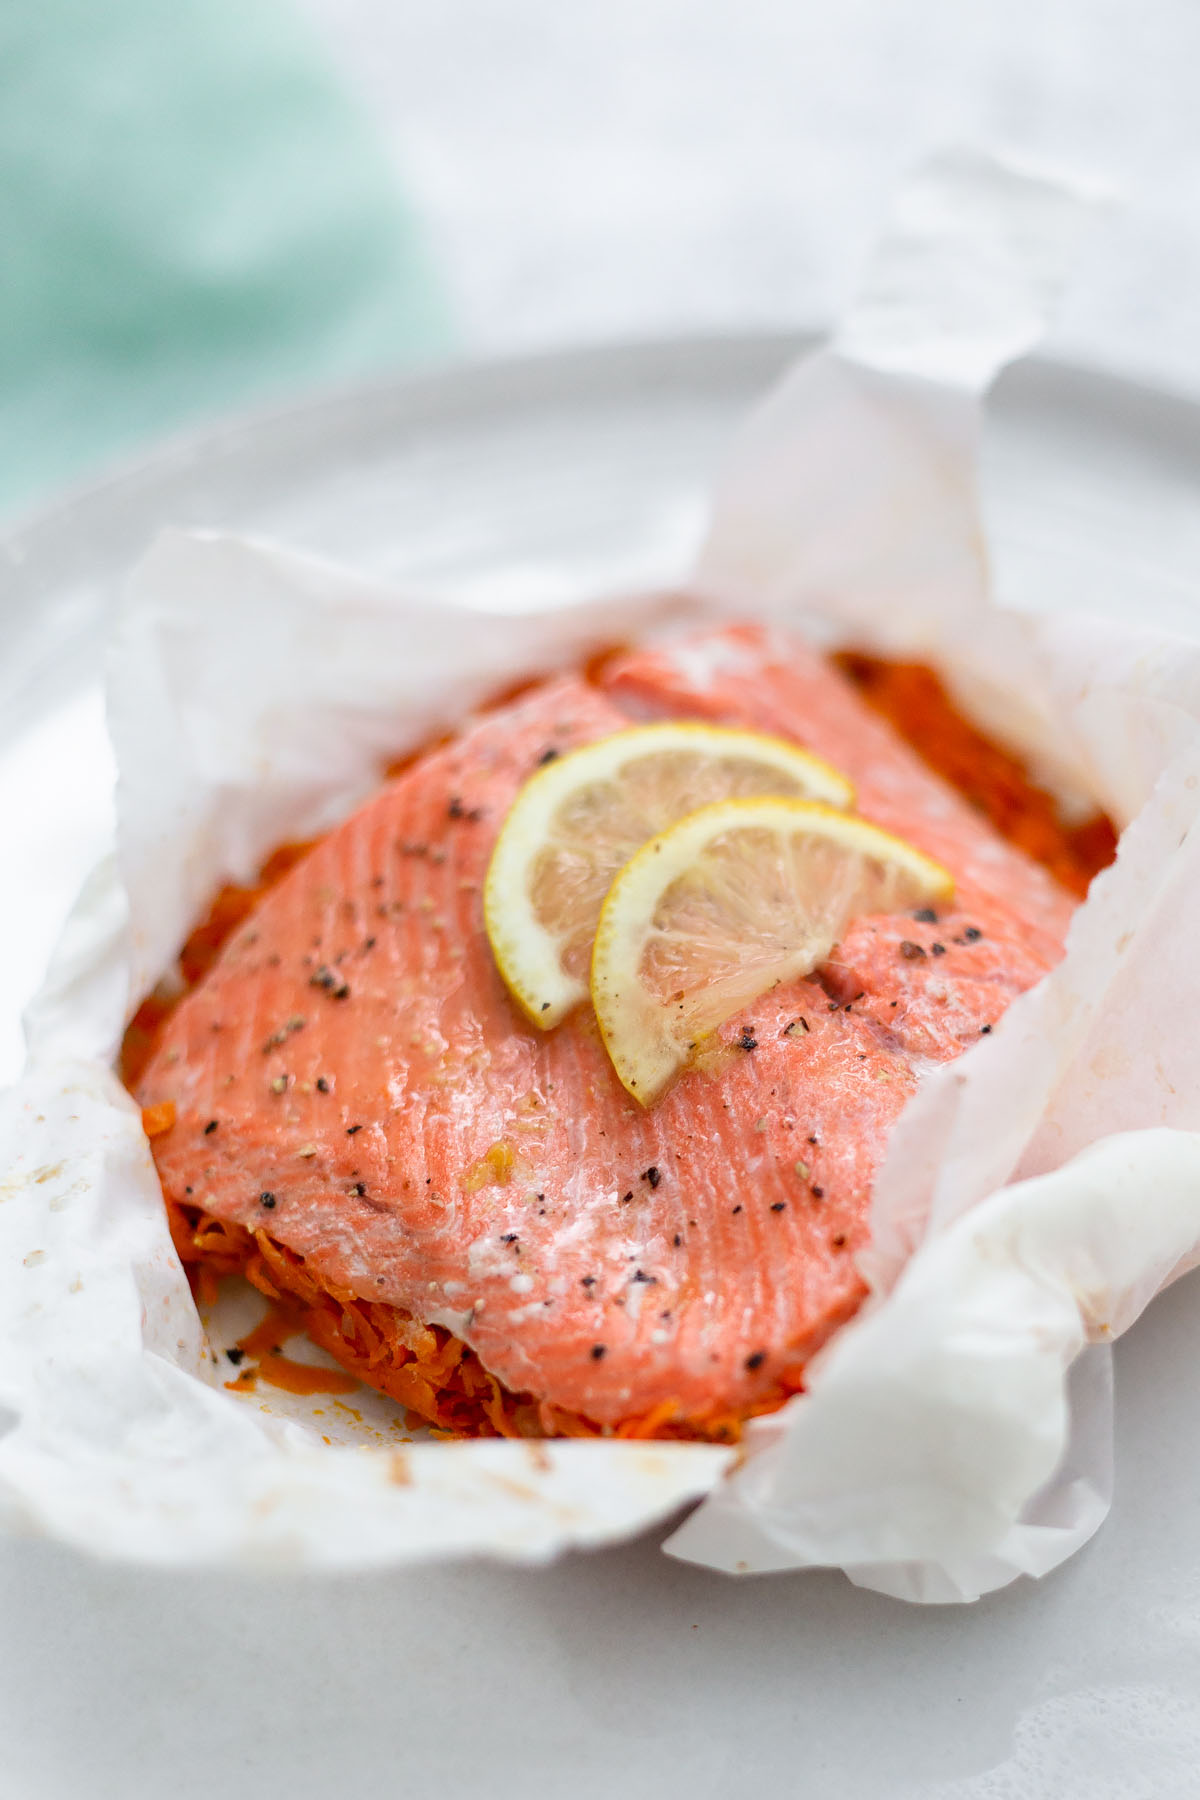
[(436, 385), (61, 561)]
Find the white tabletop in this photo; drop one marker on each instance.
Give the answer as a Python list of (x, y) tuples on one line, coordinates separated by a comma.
[(622, 1676)]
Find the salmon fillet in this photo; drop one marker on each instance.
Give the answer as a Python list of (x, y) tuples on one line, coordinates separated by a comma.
[(352, 1077)]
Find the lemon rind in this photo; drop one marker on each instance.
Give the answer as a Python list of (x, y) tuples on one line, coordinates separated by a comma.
[(526, 954), (631, 900)]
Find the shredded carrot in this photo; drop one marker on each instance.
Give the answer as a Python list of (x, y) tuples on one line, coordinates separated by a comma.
[(665, 1413), (158, 1119), (267, 1338), (304, 1378), (424, 1367), (914, 700)]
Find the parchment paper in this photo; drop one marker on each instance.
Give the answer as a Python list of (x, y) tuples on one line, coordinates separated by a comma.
[(1036, 1193)]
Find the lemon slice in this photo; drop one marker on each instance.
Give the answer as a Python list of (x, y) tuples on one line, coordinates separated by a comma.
[(581, 817), (724, 906)]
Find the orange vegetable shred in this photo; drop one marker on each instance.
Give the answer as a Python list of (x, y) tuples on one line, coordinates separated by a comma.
[(158, 1119)]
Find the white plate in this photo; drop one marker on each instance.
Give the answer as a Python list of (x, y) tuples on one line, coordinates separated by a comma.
[(621, 1672)]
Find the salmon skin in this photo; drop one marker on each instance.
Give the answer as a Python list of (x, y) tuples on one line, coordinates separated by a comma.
[(352, 1077)]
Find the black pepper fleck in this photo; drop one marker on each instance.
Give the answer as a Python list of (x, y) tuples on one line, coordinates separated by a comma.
[(359, 1188), (640, 1275), (322, 1085), (598, 1350), (281, 1037), (972, 934), (652, 1175), (210, 1128), (838, 1240), (678, 1240), (267, 1199), (926, 915), (738, 1207), (747, 1041), (910, 951), (938, 949), (351, 1129), (235, 1356), (455, 809), (778, 1205), (756, 1360), (587, 1281), (818, 1193), (983, 1030), (547, 756), (508, 1237)]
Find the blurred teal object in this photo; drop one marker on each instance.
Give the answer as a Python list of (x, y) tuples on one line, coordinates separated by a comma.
[(193, 214)]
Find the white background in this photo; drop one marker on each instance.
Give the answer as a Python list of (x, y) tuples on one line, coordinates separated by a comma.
[(599, 168)]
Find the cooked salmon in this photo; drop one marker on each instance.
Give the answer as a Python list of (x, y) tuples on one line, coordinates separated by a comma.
[(352, 1078)]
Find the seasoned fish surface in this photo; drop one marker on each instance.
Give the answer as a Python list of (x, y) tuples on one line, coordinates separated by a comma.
[(352, 1077)]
